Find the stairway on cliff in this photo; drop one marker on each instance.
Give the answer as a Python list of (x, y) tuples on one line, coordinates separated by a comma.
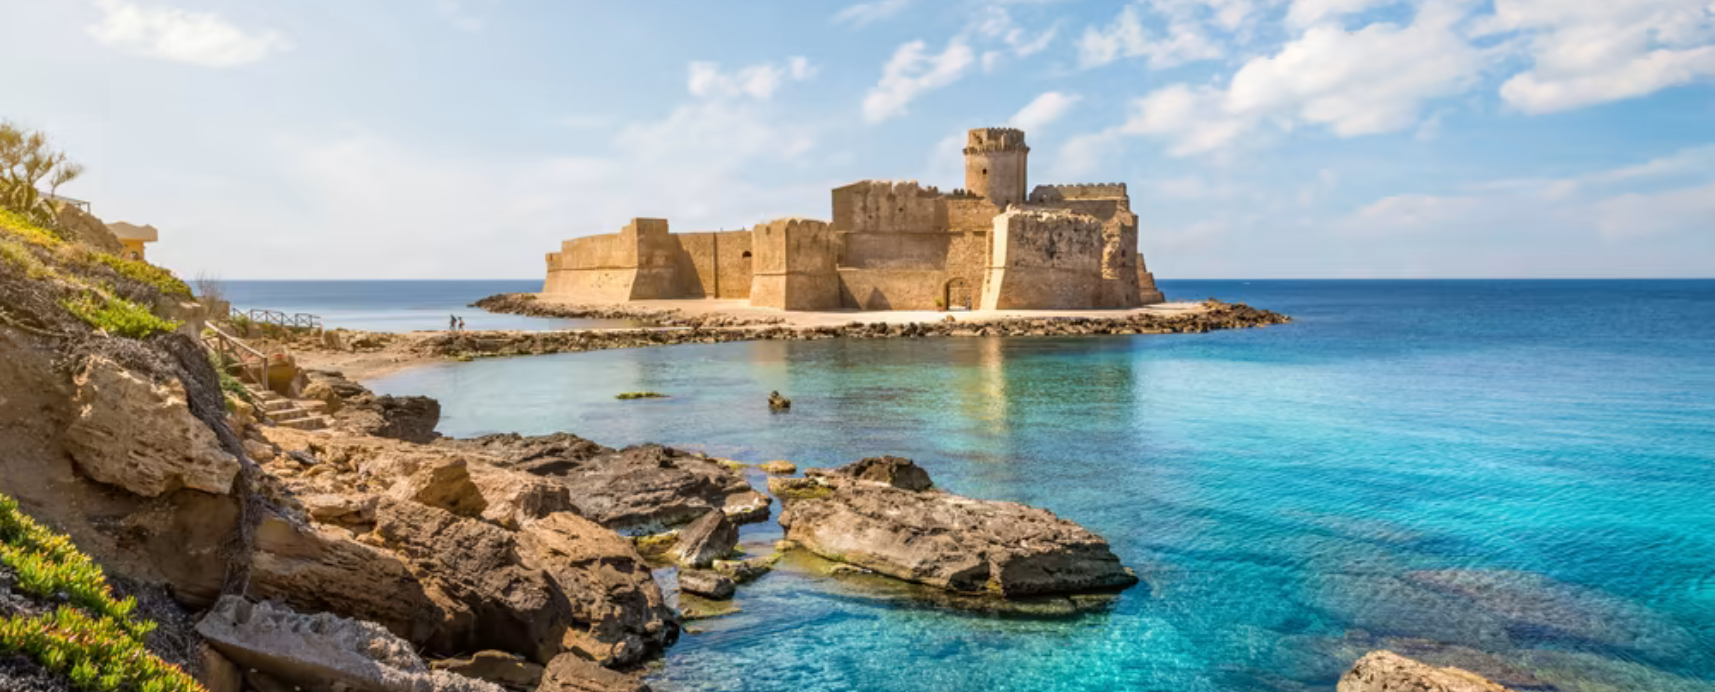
[(302, 414)]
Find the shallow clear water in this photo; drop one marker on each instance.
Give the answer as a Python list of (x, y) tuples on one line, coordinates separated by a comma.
[(1292, 496), (397, 306)]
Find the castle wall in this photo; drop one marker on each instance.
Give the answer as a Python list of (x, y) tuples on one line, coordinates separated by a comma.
[(793, 263), (599, 268), (715, 265), (1044, 260), (891, 246)]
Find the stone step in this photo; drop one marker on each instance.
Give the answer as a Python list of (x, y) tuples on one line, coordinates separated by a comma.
[(276, 405), (307, 423), (290, 414)]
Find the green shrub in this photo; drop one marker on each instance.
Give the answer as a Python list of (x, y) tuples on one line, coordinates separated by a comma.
[(138, 270), (117, 316), (13, 223), (94, 640), (230, 384), (641, 395)]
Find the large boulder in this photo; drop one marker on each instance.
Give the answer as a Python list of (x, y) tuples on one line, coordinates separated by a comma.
[(358, 410), (898, 472), (618, 614), (569, 673), (1386, 671), (511, 605), (636, 490), (945, 540), (323, 652), (510, 671), (317, 569), (408, 418), (140, 435), (707, 584), (710, 538)]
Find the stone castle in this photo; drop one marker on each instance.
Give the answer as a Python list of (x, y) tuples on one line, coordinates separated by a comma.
[(891, 246)]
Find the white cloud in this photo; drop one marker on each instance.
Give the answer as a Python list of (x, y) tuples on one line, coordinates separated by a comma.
[(756, 81), (1126, 37), (1042, 110), (167, 33), (1586, 53), (1667, 196), (913, 71), (370, 194), (1307, 12), (865, 12), (1377, 79), (995, 23)]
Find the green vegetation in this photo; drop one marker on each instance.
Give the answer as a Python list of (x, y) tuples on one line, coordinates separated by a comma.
[(95, 640), (138, 270), (18, 225), (641, 395), (117, 316), (229, 384)]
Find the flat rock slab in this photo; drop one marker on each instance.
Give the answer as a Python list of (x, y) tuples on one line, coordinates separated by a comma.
[(944, 540), (323, 652), (636, 490)]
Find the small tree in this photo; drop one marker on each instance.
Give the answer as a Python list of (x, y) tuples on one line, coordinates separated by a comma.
[(27, 162)]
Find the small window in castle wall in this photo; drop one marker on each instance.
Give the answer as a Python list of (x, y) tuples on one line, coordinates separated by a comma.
[(746, 255)]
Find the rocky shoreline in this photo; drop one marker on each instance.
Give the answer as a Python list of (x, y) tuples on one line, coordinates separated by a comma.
[(1215, 316)]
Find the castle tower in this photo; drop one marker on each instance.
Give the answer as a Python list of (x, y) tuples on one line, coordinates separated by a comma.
[(995, 164)]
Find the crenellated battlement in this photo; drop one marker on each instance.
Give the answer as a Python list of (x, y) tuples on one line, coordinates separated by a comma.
[(1046, 194), (989, 139)]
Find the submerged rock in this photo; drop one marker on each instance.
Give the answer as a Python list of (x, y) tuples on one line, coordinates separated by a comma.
[(1386, 671), (777, 402), (941, 539), (778, 468), (706, 584)]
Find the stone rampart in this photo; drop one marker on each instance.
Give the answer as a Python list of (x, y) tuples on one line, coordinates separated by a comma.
[(793, 265), (715, 265), (1044, 260), (1046, 194)]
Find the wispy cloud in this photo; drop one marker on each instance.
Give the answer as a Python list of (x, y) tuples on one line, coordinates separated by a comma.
[(913, 71), (168, 33), (1044, 109), (756, 81), (865, 12)]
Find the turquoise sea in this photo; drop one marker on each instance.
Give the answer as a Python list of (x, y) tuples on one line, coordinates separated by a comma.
[(396, 306), (1513, 476)]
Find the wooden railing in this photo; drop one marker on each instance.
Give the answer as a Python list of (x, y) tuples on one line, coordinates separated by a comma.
[(229, 349), (280, 319)]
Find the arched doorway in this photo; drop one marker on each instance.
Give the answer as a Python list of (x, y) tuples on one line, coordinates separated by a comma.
[(956, 295)]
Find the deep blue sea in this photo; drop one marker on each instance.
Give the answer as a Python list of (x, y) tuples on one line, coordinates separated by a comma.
[(396, 306), (1515, 476)]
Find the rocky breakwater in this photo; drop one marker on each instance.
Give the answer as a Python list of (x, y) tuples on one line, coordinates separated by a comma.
[(1213, 316), (883, 515), (527, 304)]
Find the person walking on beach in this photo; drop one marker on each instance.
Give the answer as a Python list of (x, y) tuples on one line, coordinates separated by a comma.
[(452, 323), (461, 324)]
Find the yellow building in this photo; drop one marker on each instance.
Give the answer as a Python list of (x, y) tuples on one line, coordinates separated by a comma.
[(133, 237)]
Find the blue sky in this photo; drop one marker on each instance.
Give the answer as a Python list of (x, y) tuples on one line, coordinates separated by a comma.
[(1259, 138)]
